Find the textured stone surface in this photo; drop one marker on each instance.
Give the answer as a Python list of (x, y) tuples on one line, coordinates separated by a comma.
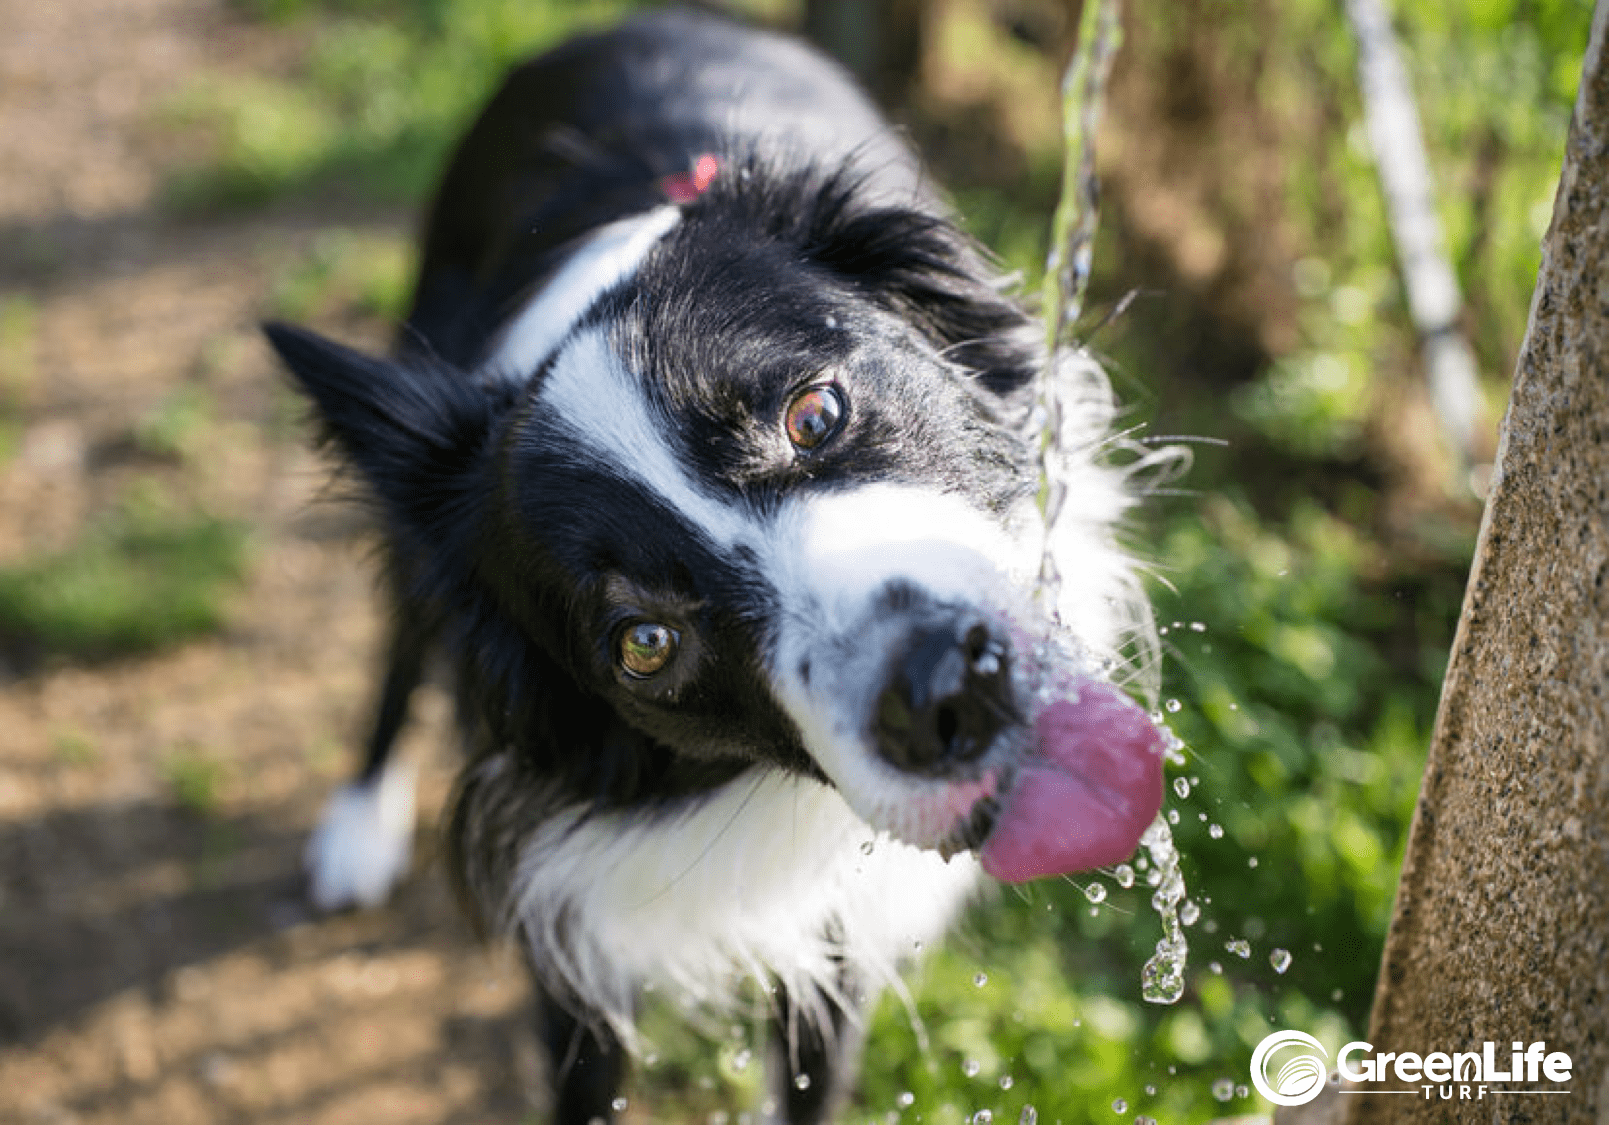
[(1502, 922)]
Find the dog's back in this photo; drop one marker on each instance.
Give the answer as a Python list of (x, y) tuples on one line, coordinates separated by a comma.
[(589, 132)]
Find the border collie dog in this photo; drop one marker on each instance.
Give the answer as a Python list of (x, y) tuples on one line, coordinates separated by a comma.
[(705, 459)]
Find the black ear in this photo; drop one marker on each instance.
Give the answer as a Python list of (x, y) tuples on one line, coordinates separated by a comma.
[(923, 268), (417, 430)]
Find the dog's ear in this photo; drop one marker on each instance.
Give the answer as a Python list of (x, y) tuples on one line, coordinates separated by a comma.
[(926, 270), (416, 430)]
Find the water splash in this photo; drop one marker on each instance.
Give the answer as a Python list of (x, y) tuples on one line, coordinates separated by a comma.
[(1162, 978)]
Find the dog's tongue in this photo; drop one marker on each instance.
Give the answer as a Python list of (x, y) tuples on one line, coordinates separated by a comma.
[(1088, 795)]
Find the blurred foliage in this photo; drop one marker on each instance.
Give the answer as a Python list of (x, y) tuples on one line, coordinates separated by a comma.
[(1309, 583), (371, 107), (141, 578)]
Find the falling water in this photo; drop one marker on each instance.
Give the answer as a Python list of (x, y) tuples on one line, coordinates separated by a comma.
[(1066, 280)]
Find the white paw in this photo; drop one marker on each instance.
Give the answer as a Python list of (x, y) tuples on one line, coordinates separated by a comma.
[(361, 847)]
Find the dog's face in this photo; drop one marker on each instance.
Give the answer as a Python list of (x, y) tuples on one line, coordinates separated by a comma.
[(756, 497)]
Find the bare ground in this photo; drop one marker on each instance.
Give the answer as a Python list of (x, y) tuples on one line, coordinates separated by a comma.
[(156, 961)]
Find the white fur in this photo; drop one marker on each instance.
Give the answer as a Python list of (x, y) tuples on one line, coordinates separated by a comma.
[(609, 256), (602, 403), (770, 877), (361, 847)]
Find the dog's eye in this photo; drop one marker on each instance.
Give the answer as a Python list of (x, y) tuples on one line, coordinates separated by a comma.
[(814, 415), (646, 648)]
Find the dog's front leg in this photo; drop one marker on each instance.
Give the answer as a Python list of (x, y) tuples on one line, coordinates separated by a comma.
[(586, 1065), (815, 1052)]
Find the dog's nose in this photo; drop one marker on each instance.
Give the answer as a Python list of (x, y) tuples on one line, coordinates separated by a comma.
[(946, 699)]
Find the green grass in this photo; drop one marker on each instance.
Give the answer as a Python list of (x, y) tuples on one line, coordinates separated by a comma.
[(195, 780), (373, 106), (140, 579)]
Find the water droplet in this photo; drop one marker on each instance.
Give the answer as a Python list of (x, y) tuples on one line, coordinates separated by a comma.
[(1029, 1116), (832, 321), (970, 1067), (618, 1105), (1194, 781), (801, 1081), (1252, 862), (1139, 863), (650, 1060), (981, 979), (1223, 1089), (1143, 1120), (1198, 626), (1216, 831), (1150, 1091), (1336, 995), (741, 1060), (1189, 912), (917, 945), (905, 1100), (1181, 786), (868, 847), (1006, 1081), (1215, 967), (1173, 706), (1318, 948), (1240, 947), (1280, 959), (1173, 816), (982, 1117), (1242, 1092), (1124, 875), (1095, 892), (1202, 817), (1156, 718), (1120, 1106)]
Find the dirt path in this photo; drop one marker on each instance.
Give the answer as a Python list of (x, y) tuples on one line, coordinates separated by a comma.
[(156, 963)]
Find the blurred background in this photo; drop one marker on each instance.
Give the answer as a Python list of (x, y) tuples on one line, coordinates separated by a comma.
[(188, 622)]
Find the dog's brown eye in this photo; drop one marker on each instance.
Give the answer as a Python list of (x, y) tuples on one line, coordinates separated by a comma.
[(814, 415), (646, 648)]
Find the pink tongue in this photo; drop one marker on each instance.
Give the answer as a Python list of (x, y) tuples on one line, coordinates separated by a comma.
[(1085, 801)]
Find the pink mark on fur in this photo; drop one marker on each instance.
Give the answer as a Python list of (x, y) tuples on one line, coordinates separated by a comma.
[(1086, 797), (684, 187)]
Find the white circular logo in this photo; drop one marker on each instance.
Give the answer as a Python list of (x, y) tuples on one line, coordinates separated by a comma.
[(1299, 1079)]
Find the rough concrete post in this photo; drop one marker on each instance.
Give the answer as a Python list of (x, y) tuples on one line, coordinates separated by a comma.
[(1501, 930)]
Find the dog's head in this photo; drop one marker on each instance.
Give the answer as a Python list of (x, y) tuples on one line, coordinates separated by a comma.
[(749, 481)]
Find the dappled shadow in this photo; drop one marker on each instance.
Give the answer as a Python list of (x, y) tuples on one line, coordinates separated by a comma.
[(178, 946)]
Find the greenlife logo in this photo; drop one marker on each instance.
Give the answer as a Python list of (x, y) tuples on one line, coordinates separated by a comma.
[(1299, 1077)]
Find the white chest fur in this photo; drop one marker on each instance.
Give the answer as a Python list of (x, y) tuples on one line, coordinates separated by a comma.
[(771, 876)]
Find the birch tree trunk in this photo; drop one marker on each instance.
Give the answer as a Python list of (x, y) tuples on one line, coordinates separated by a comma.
[(1434, 303), (1501, 930)]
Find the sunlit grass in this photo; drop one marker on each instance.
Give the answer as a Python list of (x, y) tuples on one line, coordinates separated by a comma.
[(142, 578)]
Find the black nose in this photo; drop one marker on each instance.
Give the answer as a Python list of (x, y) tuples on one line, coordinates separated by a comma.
[(946, 698)]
